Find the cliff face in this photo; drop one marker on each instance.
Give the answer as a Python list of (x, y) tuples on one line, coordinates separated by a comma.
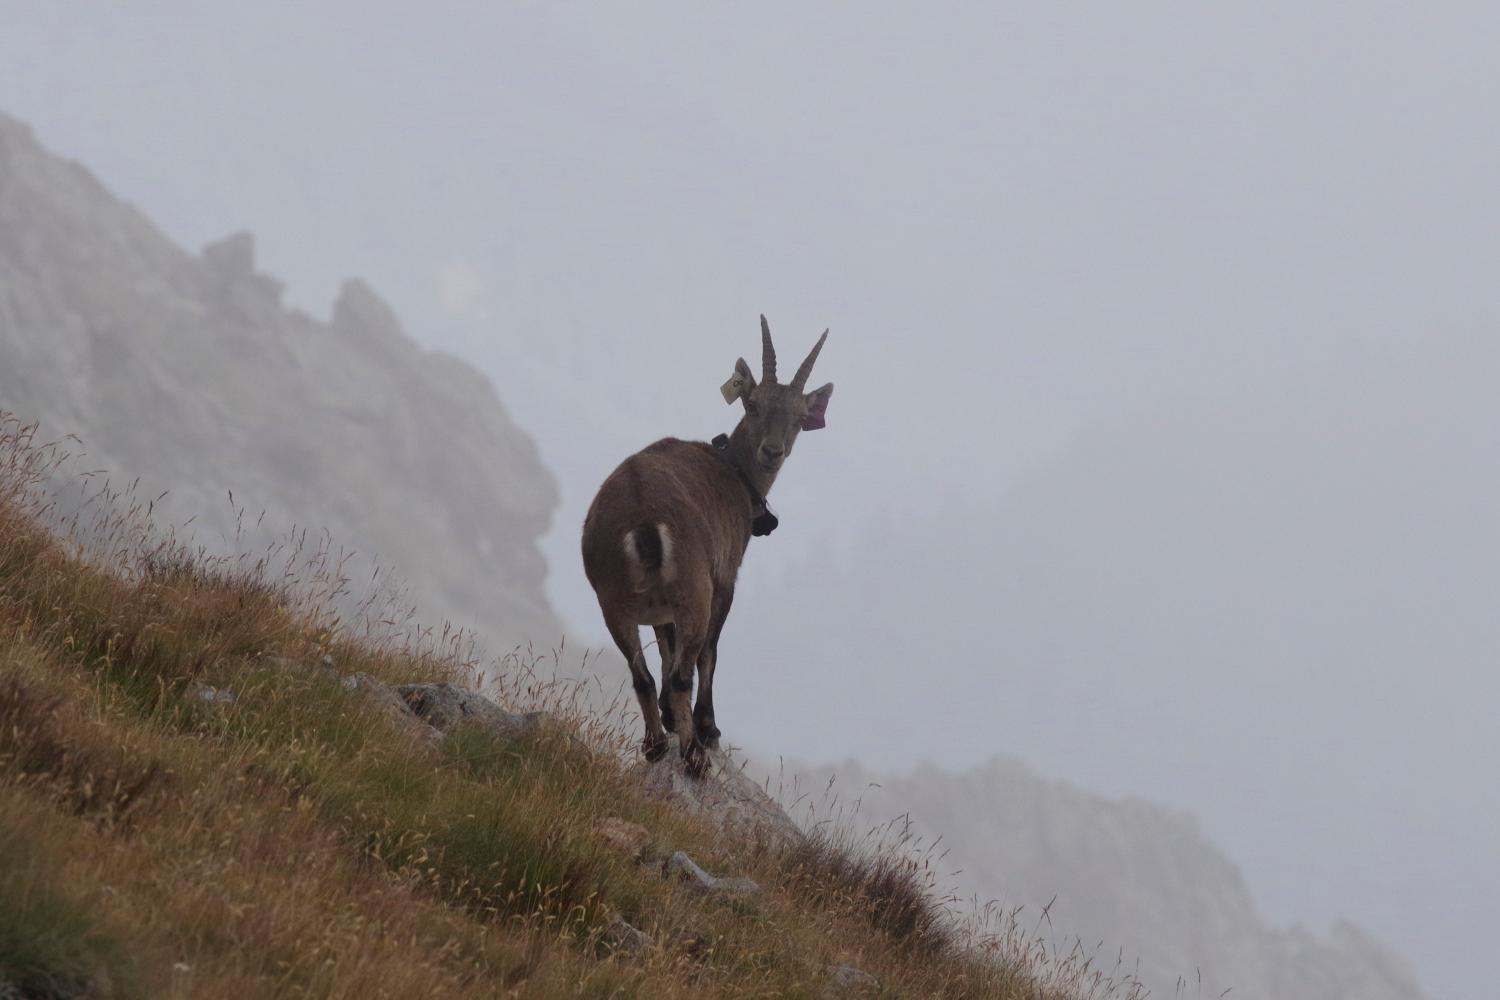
[(1127, 877), (188, 372)]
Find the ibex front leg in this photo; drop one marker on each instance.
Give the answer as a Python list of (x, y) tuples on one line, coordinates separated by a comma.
[(703, 710), (680, 688)]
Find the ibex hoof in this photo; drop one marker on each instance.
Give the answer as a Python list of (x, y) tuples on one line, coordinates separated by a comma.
[(712, 742), (695, 760), (654, 749)]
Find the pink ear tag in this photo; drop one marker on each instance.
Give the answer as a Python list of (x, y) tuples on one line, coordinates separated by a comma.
[(816, 412)]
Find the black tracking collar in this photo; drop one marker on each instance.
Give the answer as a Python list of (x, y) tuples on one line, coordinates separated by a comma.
[(765, 520)]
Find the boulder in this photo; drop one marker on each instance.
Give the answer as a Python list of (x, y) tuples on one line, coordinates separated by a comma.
[(392, 705), (444, 706), (728, 799)]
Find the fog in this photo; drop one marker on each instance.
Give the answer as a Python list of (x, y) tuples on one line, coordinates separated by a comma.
[(1163, 448)]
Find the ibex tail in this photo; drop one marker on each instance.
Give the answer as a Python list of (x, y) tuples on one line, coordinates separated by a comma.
[(648, 553)]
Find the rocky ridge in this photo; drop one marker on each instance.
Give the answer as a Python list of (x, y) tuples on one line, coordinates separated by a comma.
[(1126, 877), (188, 372)]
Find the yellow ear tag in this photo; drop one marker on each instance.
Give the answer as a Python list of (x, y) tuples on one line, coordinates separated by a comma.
[(731, 390)]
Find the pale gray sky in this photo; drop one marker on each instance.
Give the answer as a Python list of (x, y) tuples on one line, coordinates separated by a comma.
[(1162, 453)]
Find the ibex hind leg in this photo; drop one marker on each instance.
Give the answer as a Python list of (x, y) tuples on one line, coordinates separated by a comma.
[(666, 645), (627, 637), (703, 711)]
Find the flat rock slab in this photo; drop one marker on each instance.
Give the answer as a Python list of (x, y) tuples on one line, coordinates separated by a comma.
[(444, 706), (727, 798), (688, 871)]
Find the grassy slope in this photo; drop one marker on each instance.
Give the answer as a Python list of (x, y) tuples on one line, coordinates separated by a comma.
[(298, 842)]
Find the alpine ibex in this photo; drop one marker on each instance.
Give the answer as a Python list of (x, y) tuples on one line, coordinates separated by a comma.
[(664, 537)]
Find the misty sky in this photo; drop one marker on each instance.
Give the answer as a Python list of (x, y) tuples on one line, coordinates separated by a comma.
[(1163, 447)]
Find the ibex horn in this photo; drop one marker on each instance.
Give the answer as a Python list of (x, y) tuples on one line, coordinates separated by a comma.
[(767, 352), (800, 379)]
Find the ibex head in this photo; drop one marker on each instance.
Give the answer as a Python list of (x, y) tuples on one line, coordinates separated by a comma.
[(774, 413)]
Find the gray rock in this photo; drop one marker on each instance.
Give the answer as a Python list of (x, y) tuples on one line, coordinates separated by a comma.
[(392, 705), (291, 665), (630, 839), (846, 979), (214, 696), (688, 871), (624, 937), (730, 800), (444, 706), (231, 257)]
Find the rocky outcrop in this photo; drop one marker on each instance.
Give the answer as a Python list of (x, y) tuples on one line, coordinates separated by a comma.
[(728, 798), (1125, 877), (188, 372)]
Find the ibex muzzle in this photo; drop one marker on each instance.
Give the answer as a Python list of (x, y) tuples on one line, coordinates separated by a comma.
[(664, 537)]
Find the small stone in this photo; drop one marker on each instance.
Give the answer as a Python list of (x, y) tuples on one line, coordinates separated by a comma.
[(630, 839), (214, 696), (627, 938), (848, 979)]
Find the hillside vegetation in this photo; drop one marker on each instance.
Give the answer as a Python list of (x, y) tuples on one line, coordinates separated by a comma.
[(196, 801)]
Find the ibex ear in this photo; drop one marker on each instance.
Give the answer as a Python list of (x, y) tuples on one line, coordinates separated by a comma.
[(817, 408), (739, 384)]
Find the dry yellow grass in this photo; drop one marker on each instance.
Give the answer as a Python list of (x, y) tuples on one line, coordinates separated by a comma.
[(298, 842)]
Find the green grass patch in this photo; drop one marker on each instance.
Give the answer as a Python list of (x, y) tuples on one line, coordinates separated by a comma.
[(53, 945)]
